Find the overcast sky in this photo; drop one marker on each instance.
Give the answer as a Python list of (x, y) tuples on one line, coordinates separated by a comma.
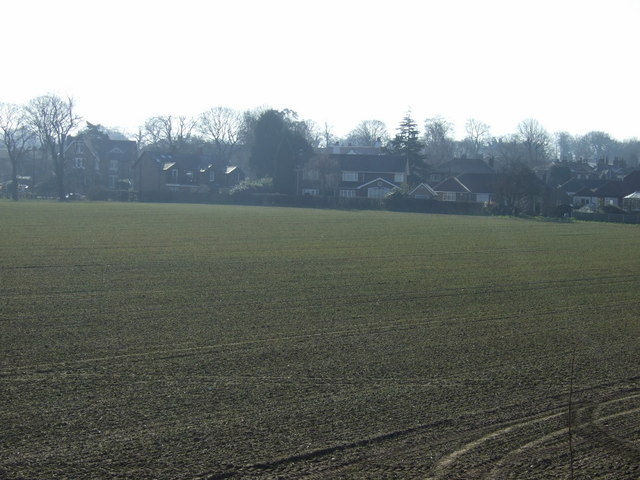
[(572, 65)]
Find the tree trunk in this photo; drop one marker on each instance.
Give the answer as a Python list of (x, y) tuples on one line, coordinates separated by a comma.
[(14, 179), (58, 166)]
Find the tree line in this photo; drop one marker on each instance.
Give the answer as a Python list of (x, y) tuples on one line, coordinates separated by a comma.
[(280, 144)]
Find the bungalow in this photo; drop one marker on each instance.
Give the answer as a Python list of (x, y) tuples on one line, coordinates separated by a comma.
[(583, 197), (574, 185), (612, 193), (423, 192), (467, 187), (453, 190)]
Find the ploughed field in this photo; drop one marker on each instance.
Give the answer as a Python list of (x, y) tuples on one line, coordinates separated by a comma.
[(201, 342)]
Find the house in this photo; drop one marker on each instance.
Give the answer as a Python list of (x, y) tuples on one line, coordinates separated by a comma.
[(458, 166), (349, 175), (453, 190), (583, 197), (574, 185), (612, 193), (467, 187), (581, 170), (482, 185), (156, 172), (603, 192), (423, 192), (98, 163)]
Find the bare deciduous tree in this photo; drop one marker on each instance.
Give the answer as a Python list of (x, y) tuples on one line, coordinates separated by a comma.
[(310, 131), (438, 139), (535, 139), (168, 132), (596, 146), (222, 127), (478, 134), (326, 171), (565, 146), (16, 136), (53, 118), (328, 138), (368, 133)]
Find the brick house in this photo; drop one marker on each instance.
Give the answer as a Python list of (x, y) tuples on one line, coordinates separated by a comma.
[(156, 172), (350, 175), (98, 163)]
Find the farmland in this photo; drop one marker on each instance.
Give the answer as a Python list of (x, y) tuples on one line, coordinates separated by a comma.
[(201, 342)]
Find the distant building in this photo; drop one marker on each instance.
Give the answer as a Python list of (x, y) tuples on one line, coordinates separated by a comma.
[(98, 163), (602, 192), (458, 166), (370, 176), (156, 172)]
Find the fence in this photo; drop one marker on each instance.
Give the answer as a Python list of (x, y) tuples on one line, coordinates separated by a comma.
[(607, 217)]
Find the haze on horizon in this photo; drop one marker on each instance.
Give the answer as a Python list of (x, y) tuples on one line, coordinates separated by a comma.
[(570, 64)]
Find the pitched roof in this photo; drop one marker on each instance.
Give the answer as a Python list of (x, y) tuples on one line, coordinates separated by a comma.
[(106, 148), (478, 182), (613, 188), (584, 192), (459, 166), (187, 161), (371, 163), (423, 189), (451, 184), (633, 179), (575, 184), (380, 181), (353, 150)]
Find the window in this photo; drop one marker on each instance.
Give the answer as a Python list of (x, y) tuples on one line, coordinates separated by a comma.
[(311, 191), (174, 175), (349, 176), (113, 165), (398, 177), (448, 196), (79, 147), (189, 175), (377, 192), (347, 193), (113, 181), (78, 162), (212, 176)]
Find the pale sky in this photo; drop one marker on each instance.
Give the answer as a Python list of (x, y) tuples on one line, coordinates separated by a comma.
[(571, 65)]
